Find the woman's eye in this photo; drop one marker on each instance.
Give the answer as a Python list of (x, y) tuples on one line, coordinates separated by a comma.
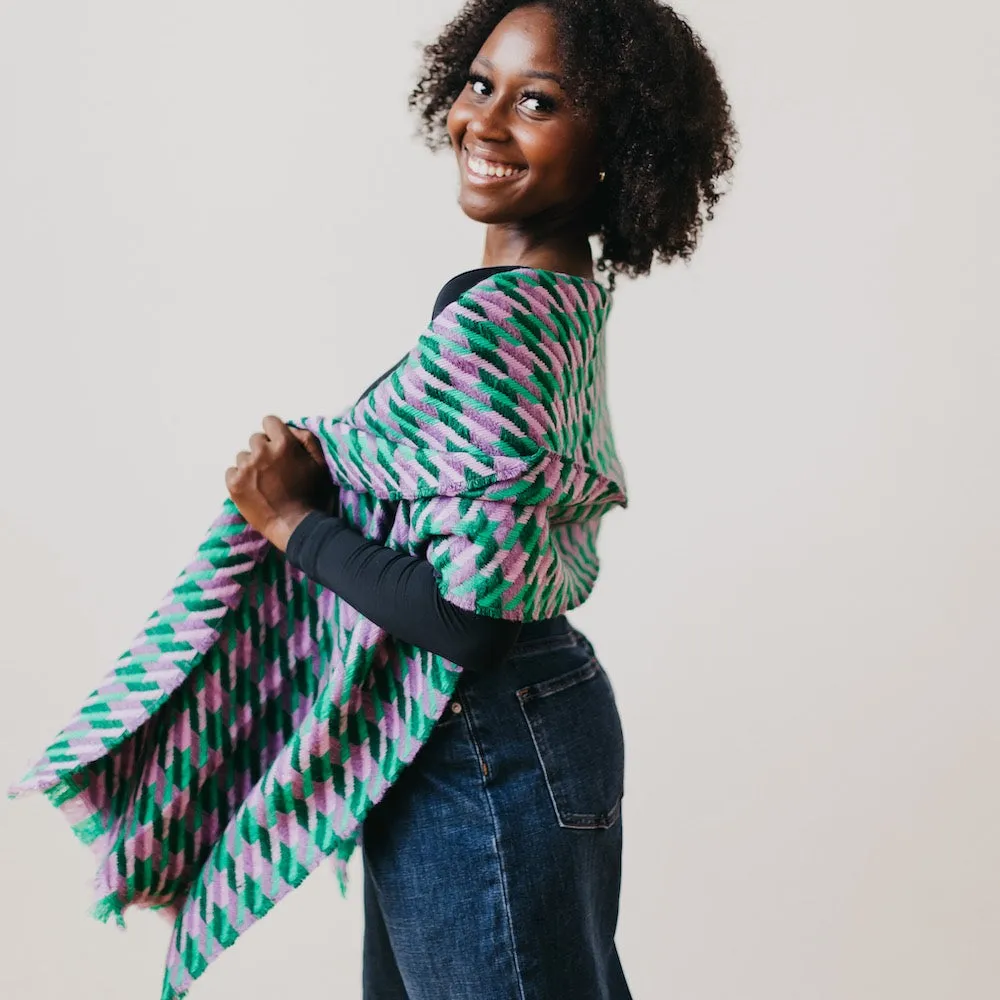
[(475, 81), (544, 103)]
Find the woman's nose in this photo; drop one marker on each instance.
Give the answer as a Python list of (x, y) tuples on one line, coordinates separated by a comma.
[(488, 123)]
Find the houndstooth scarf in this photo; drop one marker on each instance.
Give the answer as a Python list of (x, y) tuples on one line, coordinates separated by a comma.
[(256, 717)]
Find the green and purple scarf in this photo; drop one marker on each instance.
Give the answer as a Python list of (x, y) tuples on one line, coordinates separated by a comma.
[(255, 719)]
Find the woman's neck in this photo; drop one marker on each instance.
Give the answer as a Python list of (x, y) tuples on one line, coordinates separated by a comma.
[(569, 253)]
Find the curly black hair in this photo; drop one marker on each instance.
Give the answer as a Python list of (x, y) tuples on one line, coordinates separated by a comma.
[(665, 131)]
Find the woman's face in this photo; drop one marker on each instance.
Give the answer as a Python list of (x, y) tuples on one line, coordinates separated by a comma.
[(521, 151)]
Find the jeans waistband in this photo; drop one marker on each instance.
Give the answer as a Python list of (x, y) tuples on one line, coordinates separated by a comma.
[(559, 625)]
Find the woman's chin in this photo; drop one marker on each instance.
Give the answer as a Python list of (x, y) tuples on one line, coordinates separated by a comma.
[(487, 210)]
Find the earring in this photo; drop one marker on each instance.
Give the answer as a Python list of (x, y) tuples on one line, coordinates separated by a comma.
[(600, 177)]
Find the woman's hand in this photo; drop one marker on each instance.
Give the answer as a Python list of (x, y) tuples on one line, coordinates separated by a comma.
[(279, 480)]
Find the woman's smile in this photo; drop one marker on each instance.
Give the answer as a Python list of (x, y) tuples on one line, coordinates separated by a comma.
[(480, 170)]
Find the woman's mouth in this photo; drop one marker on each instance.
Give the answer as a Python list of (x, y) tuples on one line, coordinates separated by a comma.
[(481, 171)]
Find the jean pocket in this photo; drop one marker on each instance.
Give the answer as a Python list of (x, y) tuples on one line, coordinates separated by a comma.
[(575, 726)]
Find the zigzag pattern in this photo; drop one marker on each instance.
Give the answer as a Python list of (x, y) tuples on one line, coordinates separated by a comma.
[(252, 723)]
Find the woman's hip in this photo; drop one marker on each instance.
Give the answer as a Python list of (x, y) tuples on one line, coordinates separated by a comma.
[(501, 841), (534, 745)]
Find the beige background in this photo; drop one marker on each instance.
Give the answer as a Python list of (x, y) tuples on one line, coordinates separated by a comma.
[(211, 211)]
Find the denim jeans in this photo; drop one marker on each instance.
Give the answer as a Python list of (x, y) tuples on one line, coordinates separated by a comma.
[(492, 867)]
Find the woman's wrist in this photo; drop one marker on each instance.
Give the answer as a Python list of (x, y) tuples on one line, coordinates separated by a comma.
[(287, 522)]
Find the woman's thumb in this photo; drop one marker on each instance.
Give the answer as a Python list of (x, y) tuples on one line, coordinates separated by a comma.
[(308, 441)]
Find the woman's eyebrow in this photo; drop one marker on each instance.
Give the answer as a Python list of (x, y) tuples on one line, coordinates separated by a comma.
[(538, 74)]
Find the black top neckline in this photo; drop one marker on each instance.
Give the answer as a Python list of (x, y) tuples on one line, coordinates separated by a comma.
[(530, 267), (464, 280)]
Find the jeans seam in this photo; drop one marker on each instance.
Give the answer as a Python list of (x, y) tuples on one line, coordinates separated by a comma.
[(504, 889), (553, 685), (542, 689)]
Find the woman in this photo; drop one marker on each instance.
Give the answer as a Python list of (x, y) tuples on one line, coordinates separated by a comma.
[(493, 865)]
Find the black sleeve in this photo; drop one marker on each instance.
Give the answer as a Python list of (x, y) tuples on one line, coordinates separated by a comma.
[(397, 591), (393, 589)]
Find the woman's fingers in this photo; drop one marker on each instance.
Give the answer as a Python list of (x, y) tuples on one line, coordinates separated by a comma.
[(308, 440)]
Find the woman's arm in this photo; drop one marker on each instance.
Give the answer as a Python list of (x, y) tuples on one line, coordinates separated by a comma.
[(397, 591), (393, 589)]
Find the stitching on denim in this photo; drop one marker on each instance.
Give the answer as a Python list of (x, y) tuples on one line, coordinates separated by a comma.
[(588, 821), (541, 763), (541, 689), (504, 889), (552, 685)]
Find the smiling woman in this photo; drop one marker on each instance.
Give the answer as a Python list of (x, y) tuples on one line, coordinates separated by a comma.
[(614, 111), (492, 865), (371, 645), (527, 156)]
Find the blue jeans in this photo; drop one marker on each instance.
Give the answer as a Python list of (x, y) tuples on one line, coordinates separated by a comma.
[(492, 867)]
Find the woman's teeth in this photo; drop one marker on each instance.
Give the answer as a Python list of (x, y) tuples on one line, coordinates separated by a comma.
[(485, 169)]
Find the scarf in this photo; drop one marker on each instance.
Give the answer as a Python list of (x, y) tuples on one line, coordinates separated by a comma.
[(254, 720)]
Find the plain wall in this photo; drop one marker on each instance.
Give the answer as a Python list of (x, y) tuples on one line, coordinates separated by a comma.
[(212, 211)]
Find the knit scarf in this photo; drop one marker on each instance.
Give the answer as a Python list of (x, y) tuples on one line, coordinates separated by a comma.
[(255, 719)]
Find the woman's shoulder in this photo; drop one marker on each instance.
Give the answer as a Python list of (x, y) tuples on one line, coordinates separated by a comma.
[(557, 282), (462, 282)]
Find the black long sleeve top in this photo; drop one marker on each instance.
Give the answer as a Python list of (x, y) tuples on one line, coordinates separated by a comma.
[(394, 589)]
